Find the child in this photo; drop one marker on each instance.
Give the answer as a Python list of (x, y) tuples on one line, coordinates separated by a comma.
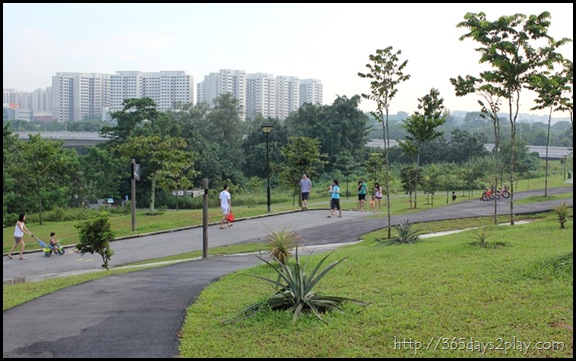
[(53, 242), (373, 204)]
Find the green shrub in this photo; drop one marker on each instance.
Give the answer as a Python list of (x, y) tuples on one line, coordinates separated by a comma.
[(95, 236)]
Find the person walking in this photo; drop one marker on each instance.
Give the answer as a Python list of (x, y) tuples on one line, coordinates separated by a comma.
[(335, 199), (362, 190), (378, 195), (226, 204), (305, 188), (19, 231)]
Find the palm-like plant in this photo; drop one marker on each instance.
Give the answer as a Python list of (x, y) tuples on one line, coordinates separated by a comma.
[(562, 211), (405, 234), (295, 291), (283, 241), (481, 234)]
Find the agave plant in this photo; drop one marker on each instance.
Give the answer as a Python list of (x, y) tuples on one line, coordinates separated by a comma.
[(283, 241), (405, 234), (294, 291)]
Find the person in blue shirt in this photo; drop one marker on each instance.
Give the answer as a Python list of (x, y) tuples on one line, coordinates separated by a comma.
[(362, 191), (335, 199)]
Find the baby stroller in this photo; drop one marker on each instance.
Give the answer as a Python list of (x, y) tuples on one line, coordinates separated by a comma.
[(48, 248)]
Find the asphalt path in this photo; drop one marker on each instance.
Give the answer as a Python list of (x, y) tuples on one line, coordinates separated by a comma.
[(139, 314)]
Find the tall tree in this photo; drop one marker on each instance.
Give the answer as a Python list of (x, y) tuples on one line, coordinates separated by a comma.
[(42, 171), (341, 125), (508, 45), (9, 182), (489, 108), (222, 130), (133, 114), (385, 73), (102, 175), (549, 88), (422, 127), (302, 155), (168, 159), (567, 97)]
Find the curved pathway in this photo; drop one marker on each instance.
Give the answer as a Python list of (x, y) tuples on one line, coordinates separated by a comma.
[(139, 314)]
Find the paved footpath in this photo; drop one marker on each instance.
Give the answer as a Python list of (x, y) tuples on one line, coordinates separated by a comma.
[(139, 314)]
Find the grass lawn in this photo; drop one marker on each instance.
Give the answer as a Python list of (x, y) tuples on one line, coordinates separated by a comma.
[(440, 297), (173, 219)]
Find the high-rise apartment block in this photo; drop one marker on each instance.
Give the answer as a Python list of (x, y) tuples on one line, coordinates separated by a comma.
[(260, 93), (77, 96), (165, 87)]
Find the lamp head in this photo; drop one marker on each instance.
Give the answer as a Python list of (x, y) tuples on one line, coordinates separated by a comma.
[(267, 128)]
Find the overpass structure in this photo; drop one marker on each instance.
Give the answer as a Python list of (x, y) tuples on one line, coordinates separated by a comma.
[(87, 139), (553, 152), (71, 139)]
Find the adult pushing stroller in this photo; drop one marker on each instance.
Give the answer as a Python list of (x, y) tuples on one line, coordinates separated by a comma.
[(49, 248)]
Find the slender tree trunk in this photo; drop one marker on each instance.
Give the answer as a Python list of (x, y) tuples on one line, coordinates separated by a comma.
[(386, 139), (153, 195), (416, 178), (498, 165), (547, 146), (512, 155)]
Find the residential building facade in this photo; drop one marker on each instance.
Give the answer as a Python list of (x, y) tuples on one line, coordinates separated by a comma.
[(76, 96)]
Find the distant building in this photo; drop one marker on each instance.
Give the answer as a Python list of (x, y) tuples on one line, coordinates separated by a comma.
[(164, 87), (77, 96), (225, 81), (311, 91), (261, 93), (11, 111)]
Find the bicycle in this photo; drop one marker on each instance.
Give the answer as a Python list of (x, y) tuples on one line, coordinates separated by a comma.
[(490, 193)]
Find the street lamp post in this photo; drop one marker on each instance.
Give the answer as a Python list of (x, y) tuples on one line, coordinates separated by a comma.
[(267, 129)]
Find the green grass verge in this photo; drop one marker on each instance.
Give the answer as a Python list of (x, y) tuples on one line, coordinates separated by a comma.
[(446, 290), (463, 299)]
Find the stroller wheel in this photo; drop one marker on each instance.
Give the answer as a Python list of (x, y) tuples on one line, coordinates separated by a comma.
[(48, 254)]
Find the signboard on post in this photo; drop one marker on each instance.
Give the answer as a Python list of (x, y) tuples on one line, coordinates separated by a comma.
[(136, 171), (189, 192)]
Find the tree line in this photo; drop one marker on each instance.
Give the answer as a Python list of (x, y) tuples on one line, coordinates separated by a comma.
[(176, 149)]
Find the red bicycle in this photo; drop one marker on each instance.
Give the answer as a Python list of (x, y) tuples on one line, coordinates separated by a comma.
[(490, 193)]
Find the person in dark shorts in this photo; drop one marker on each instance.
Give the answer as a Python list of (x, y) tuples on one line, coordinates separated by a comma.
[(305, 187), (335, 199), (362, 191)]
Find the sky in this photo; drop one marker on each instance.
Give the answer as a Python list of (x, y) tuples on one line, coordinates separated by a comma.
[(328, 42)]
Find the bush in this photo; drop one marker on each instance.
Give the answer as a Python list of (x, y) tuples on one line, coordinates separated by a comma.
[(95, 236)]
